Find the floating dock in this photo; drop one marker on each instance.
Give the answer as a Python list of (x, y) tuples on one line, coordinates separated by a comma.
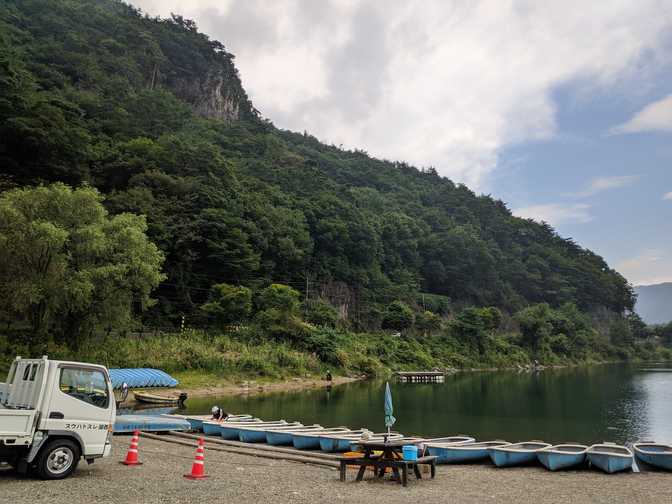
[(420, 376)]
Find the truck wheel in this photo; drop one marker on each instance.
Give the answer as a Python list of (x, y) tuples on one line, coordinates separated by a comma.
[(58, 459)]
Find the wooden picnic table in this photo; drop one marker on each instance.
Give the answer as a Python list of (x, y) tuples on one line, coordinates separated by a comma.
[(391, 457)]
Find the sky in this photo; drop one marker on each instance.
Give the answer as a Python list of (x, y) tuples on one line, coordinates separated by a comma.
[(561, 109)]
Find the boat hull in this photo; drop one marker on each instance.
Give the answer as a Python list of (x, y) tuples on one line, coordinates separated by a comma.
[(278, 438), (448, 455), (229, 432), (302, 442), (252, 435), (659, 456), (196, 424), (328, 444), (210, 429), (502, 458), (153, 399), (610, 463), (554, 461)]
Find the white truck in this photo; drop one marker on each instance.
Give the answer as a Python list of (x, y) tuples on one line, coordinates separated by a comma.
[(53, 413)]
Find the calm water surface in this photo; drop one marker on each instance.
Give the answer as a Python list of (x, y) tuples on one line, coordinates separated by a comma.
[(602, 403)]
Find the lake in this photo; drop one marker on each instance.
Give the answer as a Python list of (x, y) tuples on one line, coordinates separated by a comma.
[(588, 404)]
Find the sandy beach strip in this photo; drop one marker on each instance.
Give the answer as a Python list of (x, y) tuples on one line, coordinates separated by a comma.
[(235, 478)]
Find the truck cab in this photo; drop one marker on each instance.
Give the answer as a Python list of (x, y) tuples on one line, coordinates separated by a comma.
[(54, 413)]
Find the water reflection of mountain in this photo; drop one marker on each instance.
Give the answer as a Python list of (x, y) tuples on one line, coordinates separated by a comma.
[(591, 404)]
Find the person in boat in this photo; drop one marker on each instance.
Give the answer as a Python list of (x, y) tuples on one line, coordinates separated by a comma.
[(218, 413)]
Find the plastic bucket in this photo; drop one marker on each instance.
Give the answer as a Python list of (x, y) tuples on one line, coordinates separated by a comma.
[(410, 452)]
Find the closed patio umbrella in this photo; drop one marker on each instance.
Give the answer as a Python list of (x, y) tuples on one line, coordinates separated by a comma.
[(389, 409)]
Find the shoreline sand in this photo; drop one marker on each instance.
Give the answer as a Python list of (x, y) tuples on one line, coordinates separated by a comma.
[(239, 478)]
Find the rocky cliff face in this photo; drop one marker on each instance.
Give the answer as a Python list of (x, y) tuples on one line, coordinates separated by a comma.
[(213, 95)]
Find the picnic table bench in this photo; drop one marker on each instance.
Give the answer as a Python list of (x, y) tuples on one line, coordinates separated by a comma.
[(390, 457)]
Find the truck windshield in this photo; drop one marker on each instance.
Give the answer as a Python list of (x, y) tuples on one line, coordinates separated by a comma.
[(86, 385)]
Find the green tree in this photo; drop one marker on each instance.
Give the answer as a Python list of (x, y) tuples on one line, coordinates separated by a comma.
[(535, 323), (475, 325), (228, 303), (321, 313), (398, 316), (279, 311), (66, 266), (427, 322)]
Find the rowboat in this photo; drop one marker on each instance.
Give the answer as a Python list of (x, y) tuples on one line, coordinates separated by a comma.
[(654, 454), (379, 438), (311, 440), (338, 442), (231, 430), (422, 445), (451, 439), (449, 453), (516, 454), (610, 457), (257, 434), (562, 456), (344, 441), (148, 398), (278, 437), (214, 427), (196, 421)]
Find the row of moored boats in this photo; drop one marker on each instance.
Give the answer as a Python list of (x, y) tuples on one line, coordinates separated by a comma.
[(609, 457)]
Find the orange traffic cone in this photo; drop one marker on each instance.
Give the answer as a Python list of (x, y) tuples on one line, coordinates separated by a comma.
[(198, 467), (132, 454)]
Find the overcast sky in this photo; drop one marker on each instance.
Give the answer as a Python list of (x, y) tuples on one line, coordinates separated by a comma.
[(563, 109)]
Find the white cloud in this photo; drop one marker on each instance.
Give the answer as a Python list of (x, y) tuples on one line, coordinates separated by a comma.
[(667, 196), (447, 84), (600, 184), (650, 266), (556, 213), (656, 116)]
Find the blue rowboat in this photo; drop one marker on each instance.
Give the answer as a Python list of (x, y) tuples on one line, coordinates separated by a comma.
[(457, 453), (278, 437), (516, 454), (610, 457), (654, 454), (422, 445), (311, 440), (196, 421), (230, 430), (257, 434), (338, 442), (355, 444), (210, 428), (562, 456), (149, 423)]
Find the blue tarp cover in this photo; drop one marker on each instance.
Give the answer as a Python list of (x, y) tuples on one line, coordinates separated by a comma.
[(141, 377)]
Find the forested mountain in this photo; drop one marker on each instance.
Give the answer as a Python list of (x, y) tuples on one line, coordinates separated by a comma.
[(654, 303), (152, 113)]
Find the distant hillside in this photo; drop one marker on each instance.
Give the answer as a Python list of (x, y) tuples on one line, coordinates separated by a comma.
[(654, 303)]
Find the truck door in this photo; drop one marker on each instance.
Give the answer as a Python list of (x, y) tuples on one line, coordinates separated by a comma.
[(82, 404)]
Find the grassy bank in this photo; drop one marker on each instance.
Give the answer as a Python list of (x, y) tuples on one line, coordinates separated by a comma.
[(200, 359)]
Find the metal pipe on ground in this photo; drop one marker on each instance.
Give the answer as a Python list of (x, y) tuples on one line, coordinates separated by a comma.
[(246, 451)]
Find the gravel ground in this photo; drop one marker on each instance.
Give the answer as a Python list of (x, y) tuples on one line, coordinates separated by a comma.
[(240, 478)]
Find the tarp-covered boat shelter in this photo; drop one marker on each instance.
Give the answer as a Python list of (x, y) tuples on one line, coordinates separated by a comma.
[(141, 377)]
